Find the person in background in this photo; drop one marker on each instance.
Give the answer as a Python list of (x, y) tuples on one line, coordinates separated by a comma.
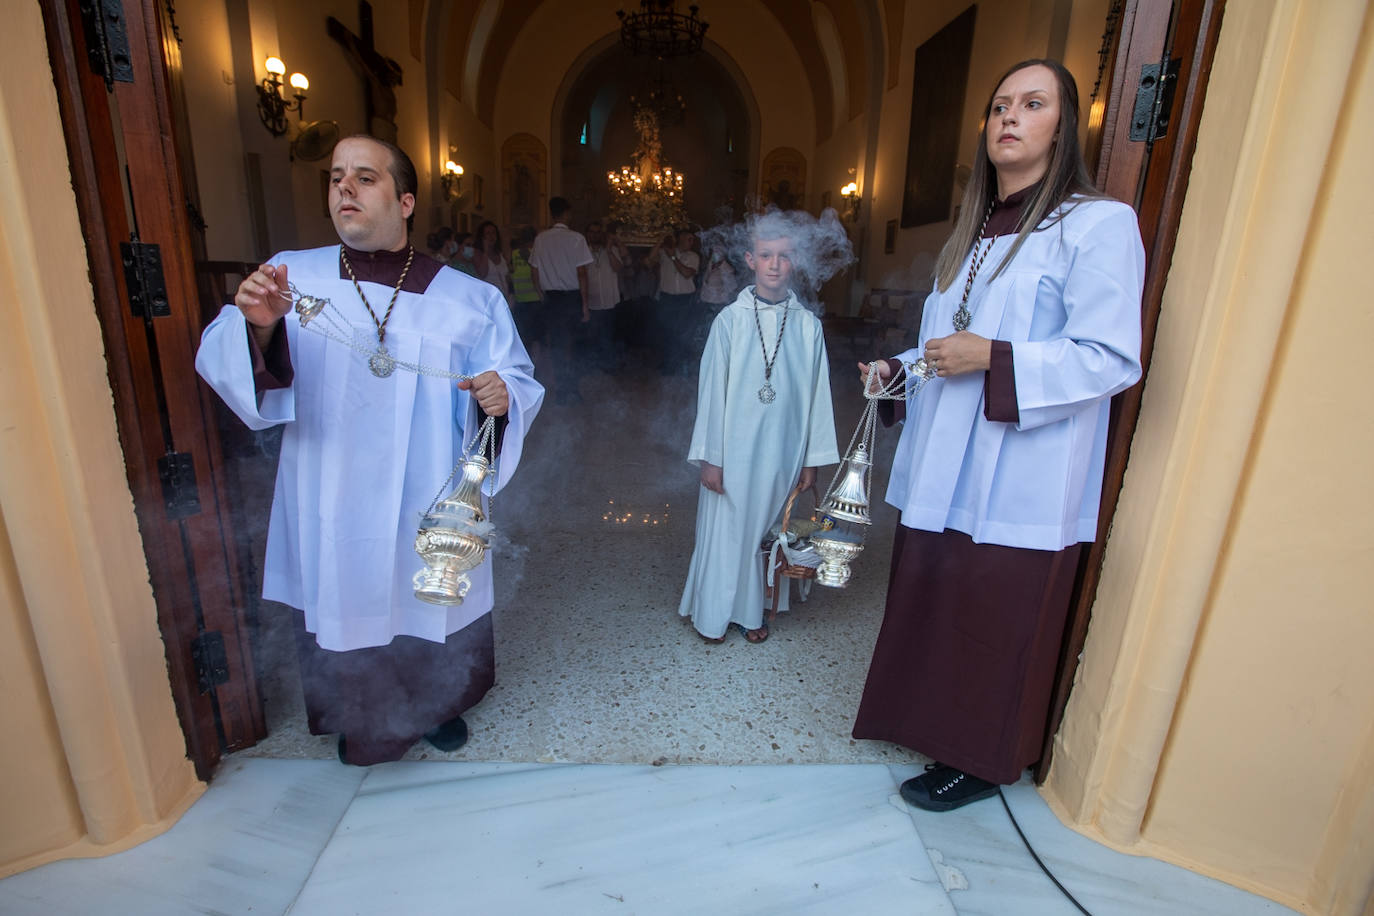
[(677, 266), (603, 285), (441, 245), (529, 299), (560, 259), (464, 256), (491, 260), (720, 283), (1033, 325)]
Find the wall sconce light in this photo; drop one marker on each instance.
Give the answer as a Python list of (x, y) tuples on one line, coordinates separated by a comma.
[(451, 180), (272, 107), (850, 193)]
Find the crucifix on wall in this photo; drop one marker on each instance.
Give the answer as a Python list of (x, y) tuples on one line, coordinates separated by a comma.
[(381, 73)]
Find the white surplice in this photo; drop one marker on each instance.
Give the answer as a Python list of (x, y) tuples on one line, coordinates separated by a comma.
[(1069, 304), (761, 448), (363, 457)]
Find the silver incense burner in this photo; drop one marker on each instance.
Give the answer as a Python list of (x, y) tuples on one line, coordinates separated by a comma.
[(453, 538), (846, 505)]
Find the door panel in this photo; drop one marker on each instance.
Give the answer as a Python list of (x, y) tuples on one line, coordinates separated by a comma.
[(126, 175), (1152, 175)]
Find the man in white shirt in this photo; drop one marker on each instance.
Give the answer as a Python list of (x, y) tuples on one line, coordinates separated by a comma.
[(677, 266), (603, 283), (559, 260)]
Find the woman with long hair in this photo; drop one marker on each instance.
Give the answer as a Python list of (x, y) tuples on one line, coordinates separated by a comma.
[(1033, 325), (492, 262)]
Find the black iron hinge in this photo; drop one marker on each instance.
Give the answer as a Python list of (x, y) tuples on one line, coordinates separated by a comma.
[(1154, 97), (143, 277), (107, 41), (178, 474), (210, 660)]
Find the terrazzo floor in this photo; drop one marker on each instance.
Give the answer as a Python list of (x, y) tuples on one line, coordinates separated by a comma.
[(593, 663)]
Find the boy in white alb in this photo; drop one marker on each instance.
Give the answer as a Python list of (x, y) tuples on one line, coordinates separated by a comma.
[(764, 424)]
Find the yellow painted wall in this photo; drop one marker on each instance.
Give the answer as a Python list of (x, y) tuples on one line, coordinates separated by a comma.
[(95, 757), (1224, 711)]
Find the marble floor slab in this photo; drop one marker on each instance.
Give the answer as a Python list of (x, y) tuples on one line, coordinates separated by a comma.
[(246, 846), (988, 872), (625, 840)]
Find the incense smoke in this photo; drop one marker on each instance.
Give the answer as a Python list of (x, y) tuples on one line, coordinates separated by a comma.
[(822, 245)]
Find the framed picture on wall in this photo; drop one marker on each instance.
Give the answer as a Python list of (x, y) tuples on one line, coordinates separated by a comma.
[(477, 202), (825, 200), (890, 237), (463, 222)]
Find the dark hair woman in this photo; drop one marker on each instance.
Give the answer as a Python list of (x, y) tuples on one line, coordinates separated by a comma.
[(1033, 326), (492, 263)]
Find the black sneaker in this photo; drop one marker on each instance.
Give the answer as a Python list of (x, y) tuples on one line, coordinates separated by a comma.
[(943, 788), (450, 735)]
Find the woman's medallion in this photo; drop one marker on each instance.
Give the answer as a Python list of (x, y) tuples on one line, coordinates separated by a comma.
[(767, 394)]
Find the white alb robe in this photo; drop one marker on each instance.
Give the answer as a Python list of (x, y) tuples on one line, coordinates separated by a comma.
[(1069, 303), (363, 457), (760, 447)]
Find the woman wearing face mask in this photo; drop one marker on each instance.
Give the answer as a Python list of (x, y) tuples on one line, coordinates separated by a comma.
[(1033, 326), (464, 255)]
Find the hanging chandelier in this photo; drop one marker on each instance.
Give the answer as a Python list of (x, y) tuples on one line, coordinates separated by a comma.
[(660, 30), (647, 195), (664, 101)]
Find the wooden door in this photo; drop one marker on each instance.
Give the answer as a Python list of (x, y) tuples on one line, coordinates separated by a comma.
[(1150, 171), (119, 120)]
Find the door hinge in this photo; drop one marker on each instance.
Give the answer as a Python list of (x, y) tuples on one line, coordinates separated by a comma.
[(1154, 98), (107, 41), (210, 660), (177, 471), (143, 277)]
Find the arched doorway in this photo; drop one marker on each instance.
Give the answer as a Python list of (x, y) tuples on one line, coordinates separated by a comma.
[(714, 142)]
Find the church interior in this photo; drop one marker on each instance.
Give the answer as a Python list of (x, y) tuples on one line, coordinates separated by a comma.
[(618, 755)]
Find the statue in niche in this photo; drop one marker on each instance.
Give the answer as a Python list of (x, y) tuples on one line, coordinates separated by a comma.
[(381, 73)]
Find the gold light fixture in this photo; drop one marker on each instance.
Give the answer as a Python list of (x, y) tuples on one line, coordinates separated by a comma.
[(850, 193), (272, 106), (451, 179)]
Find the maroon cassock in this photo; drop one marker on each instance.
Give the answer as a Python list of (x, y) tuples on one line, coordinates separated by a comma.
[(965, 659), (383, 699)]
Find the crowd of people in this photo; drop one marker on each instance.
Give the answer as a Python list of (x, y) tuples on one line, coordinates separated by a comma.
[(647, 302), (1033, 326)]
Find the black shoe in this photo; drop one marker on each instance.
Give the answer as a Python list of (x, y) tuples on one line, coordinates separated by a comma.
[(450, 735), (943, 788)]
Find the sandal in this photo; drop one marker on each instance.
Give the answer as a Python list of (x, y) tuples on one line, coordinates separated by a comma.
[(713, 640), (753, 636)]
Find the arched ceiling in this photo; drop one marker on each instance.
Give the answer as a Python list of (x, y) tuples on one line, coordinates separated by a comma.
[(793, 16)]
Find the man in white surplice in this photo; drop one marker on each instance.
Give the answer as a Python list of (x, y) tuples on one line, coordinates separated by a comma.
[(364, 453), (764, 424)]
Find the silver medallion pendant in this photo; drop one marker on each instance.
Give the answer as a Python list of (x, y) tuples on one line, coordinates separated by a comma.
[(962, 319), (923, 369), (381, 363), (767, 394)]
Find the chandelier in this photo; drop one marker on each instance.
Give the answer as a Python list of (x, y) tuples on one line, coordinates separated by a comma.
[(646, 196), (664, 101), (660, 30)]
